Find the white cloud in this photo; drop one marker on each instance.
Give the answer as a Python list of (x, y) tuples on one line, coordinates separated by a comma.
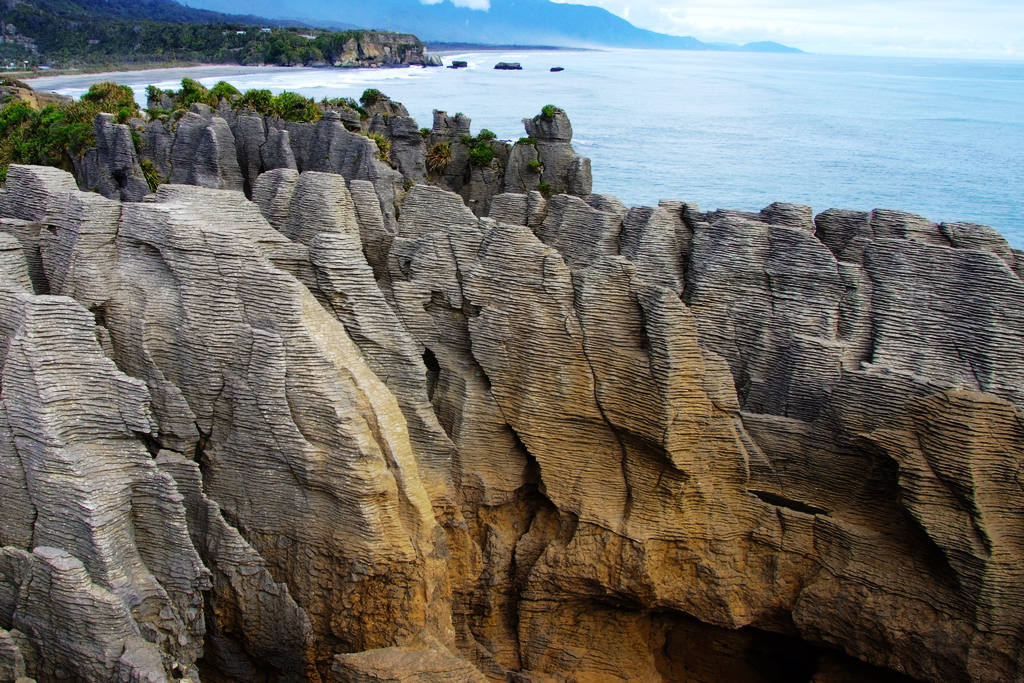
[(483, 5), (984, 28)]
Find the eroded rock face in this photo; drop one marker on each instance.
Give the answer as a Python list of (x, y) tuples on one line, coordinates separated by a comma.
[(109, 562), (226, 148), (203, 152), (112, 167), (567, 440), (386, 531)]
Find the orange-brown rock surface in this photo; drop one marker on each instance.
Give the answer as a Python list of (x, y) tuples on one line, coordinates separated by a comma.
[(343, 435)]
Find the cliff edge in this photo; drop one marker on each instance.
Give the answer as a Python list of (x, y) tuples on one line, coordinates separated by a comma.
[(355, 429)]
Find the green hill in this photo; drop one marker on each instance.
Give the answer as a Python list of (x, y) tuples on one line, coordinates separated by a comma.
[(92, 33)]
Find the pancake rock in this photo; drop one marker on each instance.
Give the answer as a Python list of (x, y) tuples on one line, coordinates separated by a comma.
[(228, 148), (367, 432)]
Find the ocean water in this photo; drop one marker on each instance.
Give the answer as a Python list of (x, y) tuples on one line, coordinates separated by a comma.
[(941, 138)]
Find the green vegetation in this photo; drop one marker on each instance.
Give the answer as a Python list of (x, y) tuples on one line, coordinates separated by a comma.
[(544, 189), (425, 133), (259, 100), (370, 97), (152, 176), (535, 165), (112, 98), (439, 156), (346, 103), (548, 111), (74, 33), (56, 133), (193, 92), (289, 106), (481, 154), (292, 106), (526, 141), (154, 94), (383, 147), (224, 90)]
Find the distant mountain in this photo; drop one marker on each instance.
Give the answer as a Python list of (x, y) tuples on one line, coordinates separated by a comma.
[(768, 46), (147, 10), (522, 22)]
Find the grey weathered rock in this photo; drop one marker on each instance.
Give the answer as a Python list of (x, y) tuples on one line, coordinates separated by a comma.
[(564, 170), (273, 192), (250, 137), (256, 624), (112, 166), (789, 215), (579, 231), (81, 629), (570, 439), (277, 151), (980, 237), (204, 152), (407, 150), (450, 127), (520, 175), (393, 665), (27, 234), (333, 149), (68, 413), (13, 266), (12, 660), (657, 241), (375, 233), (766, 298)]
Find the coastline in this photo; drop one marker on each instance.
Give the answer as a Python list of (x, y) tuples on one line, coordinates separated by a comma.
[(438, 49), (72, 79), (839, 159)]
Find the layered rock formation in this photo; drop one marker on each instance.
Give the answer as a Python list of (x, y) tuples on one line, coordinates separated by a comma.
[(227, 148), (354, 430)]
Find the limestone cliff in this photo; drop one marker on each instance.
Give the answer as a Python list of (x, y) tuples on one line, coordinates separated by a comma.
[(356, 430), (228, 148)]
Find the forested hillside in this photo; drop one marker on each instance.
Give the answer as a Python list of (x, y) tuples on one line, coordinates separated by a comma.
[(68, 33)]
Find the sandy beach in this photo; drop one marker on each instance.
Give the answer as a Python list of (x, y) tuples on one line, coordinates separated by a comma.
[(83, 80)]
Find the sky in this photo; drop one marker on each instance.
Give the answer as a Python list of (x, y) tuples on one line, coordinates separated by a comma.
[(991, 29)]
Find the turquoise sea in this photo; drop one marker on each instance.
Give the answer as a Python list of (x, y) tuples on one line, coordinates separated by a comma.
[(941, 138)]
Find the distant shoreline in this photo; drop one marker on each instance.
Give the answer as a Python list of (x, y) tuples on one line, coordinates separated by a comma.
[(456, 48), (63, 78), (67, 78), (434, 48)]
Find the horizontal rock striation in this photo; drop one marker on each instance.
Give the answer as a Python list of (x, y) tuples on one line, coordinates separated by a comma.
[(365, 429), (226, 148)]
